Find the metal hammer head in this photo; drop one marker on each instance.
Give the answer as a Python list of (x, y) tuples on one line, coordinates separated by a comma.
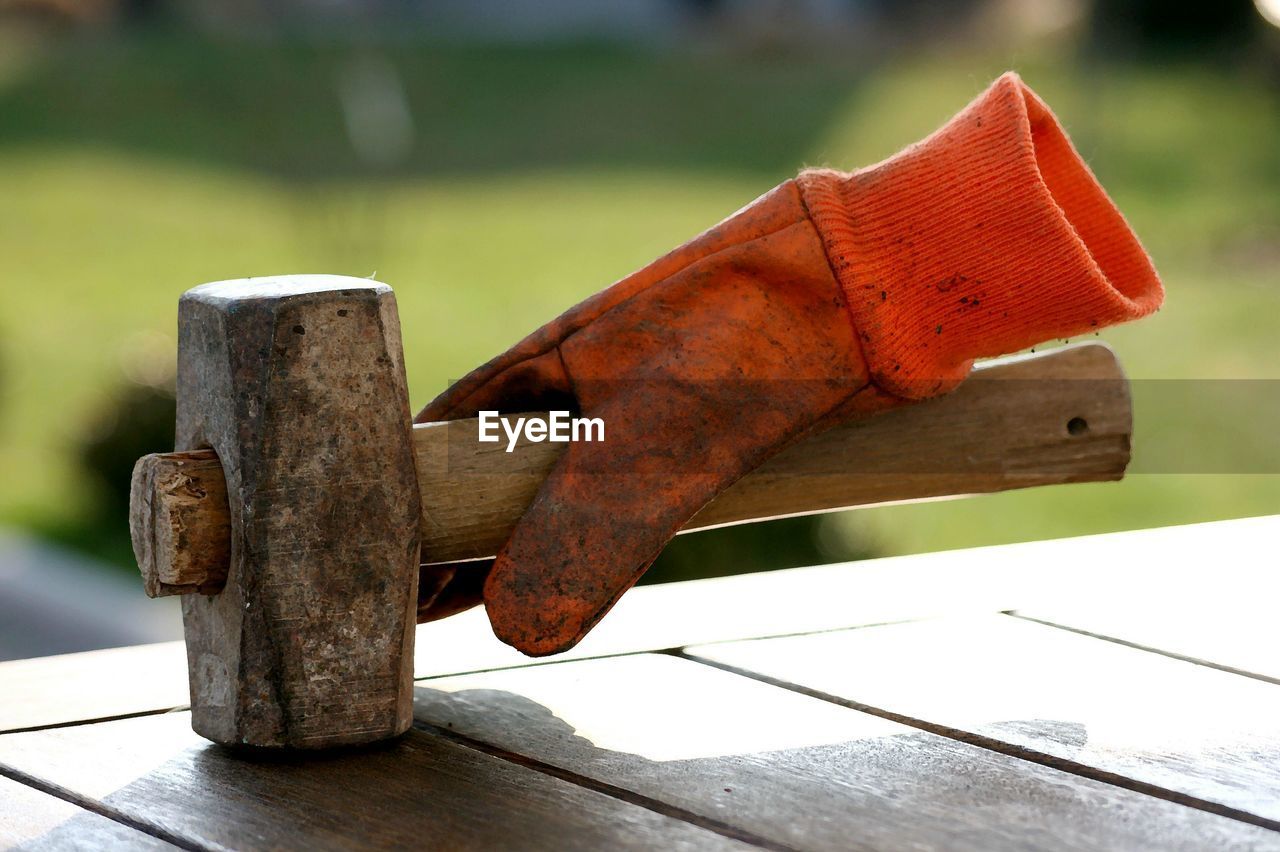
[(297, 383)]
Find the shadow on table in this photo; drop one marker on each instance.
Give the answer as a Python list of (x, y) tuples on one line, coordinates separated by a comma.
[(892, 788)]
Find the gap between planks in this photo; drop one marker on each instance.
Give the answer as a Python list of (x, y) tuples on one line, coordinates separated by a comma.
[(531, 662), (603, 787), (1138, 646), (770, 605), (100, 808), (992, 744), (983, 741), (615, 792), (75, 723), (681, 814), (533, 764)]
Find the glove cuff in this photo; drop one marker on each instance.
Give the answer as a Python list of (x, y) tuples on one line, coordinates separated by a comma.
[(987, 237)]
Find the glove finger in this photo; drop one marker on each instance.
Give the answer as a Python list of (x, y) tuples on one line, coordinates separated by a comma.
[(606, 510)]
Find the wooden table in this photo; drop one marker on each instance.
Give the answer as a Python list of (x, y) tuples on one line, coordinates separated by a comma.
[(1111, 692)]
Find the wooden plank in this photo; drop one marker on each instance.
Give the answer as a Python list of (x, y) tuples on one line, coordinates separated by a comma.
[(798, 771), (92, 685), (102, 684), (1204, 597), (1097, 706), (1023, 576), (421, 790), (1031, 577), (34, 820)]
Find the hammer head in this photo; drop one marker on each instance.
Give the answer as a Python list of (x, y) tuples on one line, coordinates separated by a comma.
[(297, 383)]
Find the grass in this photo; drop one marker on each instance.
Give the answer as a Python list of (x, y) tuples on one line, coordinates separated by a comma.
[(131, 170)]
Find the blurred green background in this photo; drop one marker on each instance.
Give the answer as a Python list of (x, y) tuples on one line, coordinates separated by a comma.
[(495, 177)]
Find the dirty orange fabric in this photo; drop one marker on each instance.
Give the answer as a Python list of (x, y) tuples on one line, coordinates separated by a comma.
[(835, 295), (989, 236)]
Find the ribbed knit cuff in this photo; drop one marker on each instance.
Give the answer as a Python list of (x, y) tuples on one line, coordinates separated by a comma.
[(987, 237)]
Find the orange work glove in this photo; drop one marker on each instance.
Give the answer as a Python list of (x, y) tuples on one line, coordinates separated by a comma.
[(832, 296)]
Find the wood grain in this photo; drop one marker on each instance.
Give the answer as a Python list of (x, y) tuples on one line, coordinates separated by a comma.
[(1187, 729), (802, 772), (420, 791), (179, 551), (1007, 427), (32, 820)]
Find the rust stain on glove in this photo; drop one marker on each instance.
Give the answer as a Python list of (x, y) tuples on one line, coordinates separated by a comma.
[(835, 295)]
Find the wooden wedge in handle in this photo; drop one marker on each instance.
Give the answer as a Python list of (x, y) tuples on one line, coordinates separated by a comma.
[(1057, 417)]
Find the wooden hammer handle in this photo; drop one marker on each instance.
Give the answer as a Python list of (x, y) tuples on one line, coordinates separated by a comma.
[(1061, 416)]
